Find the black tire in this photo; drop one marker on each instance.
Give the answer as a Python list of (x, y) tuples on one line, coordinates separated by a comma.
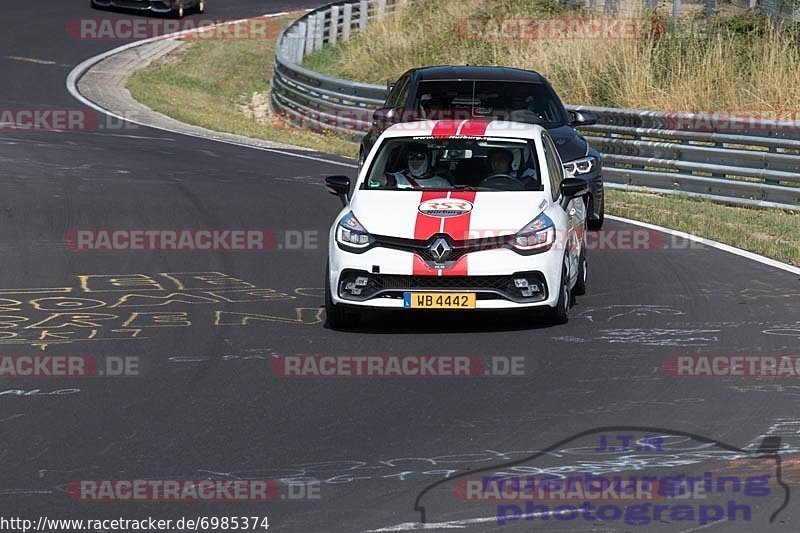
[(596, 224), (580, 286), (560, 313), (337, 317)]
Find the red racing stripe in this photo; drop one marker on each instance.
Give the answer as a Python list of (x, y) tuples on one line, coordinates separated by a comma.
[(474, 128), (425, 226), (446, 128), (458, 227)]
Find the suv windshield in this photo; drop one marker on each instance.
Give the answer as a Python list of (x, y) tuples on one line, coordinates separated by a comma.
[(504, 100), (473, 163)]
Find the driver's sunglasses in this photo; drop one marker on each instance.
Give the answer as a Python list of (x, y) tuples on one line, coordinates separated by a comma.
[(416, 156)]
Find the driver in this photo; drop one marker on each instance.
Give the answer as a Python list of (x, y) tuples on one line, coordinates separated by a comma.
[(419, 173), (500, 160)]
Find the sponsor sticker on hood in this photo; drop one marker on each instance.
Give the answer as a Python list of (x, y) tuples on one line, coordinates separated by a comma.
[(445, 207)]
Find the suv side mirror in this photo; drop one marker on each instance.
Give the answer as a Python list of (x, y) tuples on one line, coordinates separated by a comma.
[(574, 187), (383, 117), (582, 118), (339, 186)]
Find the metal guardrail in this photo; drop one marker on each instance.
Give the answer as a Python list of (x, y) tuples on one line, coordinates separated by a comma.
[(756, 165)]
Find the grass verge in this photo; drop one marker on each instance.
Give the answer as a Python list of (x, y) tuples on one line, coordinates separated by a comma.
[(223, 85), (773, 233)]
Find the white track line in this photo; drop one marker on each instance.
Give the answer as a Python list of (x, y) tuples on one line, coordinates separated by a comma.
[(81, 69), (713, 244)]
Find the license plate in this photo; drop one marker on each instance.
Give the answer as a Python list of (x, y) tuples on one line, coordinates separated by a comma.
[(439, 300)]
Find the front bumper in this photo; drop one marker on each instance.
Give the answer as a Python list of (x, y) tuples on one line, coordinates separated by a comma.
[(490, 274)]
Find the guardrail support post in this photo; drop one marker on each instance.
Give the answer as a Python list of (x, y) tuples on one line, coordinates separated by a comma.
[(310, 29), (380, 8), (319, 31), (363, 15), (676, 9), (347, 21), (333, 29)]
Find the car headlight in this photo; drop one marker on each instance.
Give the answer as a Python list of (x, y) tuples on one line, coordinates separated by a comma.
[(537, 236), (350, 234), (580, 166)]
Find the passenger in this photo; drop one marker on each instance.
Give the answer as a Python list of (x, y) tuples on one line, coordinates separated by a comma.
[(419, 174)]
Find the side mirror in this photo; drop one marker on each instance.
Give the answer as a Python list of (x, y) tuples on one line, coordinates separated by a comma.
[(339, 186), (389, 86), (574, 187), (383, 117), (583, 118)]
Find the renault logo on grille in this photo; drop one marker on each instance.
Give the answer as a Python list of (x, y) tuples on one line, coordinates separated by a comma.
[(440, 250)]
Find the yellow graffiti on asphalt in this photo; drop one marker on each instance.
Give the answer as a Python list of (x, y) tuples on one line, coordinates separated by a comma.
[(111, 307)]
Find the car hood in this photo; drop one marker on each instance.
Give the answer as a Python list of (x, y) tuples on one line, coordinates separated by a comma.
[(569, 143), (461, 215)]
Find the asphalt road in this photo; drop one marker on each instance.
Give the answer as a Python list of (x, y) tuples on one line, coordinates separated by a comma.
[(207, 404)]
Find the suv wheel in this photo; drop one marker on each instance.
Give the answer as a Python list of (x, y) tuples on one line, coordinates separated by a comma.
[(592, 222)]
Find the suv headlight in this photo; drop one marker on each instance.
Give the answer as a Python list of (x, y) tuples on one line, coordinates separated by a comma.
[(351, 235), (537, 236), (580, 166)]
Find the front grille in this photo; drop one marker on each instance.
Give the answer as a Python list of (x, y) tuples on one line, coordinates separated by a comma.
[(458, 248), (410, 283), (485, 287)]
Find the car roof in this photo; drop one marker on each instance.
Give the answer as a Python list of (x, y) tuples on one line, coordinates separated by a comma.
[(469, 128), (478, 72)]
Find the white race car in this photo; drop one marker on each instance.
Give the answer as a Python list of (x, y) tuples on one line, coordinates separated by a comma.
[(457, 215)]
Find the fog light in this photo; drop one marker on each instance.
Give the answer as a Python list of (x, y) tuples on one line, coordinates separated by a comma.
[(361, 281), (527, 293), (355, 292), (350, 286), (521, 283)]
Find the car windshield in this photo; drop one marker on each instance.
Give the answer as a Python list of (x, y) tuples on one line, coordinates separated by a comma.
[(457, 163), (519, 101)]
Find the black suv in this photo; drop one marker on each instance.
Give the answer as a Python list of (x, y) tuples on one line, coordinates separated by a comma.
[(453, 92)]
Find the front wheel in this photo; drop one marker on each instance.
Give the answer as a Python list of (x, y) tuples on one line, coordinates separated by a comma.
[(596, 224), (560, 313), (335, 316), (580, 286)]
